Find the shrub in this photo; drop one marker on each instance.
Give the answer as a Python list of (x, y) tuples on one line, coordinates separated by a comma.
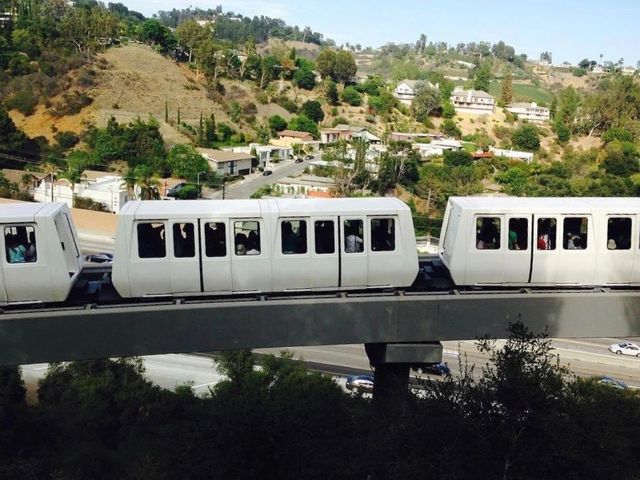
[(526, 137), (450, 128), (313, 110), (448, 110), (23, 101), (86, 77), (289, 105), (66, 140), (351, 96), (71, 104)]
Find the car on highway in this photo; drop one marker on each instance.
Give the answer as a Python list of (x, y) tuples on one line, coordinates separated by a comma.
[(102, 257), (625, 348), (299, 160), (309, 157), (267, 172), (439, 369), (612, 382), (360, 383)]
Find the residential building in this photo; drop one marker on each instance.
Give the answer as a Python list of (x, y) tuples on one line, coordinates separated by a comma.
[(530, 111), (347, 133), (472, 101), (289, 138), (515, 154), (306, 185), (437, 147), (106, 188), (264, 153), (410, 137), (627, 70), (227, 163), (295, 136), (405, 91)]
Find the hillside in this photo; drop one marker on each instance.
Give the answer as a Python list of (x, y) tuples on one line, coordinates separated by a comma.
[(136, 83)]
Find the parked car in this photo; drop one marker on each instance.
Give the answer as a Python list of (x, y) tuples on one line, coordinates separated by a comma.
[(309, 157), (102, 257), (171, 192), (439, 369), (299, 160), (360, 383), (612, 382), (267, 172), (625, 348)]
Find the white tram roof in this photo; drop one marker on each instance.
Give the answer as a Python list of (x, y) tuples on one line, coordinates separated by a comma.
[(547, 204), (155, 209), (27, 211)]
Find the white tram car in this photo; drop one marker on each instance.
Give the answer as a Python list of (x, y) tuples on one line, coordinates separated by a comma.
[(41, 258), (206, 247), (509, 241)]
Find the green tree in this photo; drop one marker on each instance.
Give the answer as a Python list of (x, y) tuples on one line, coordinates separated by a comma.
[(450, 128), (514, 180), (457, 158), (351, 96), (313, 110), (427, 100), (507, 88), (304, 78), (302, 123), (562, 131), (277, 124), (482, 77), (526, 137), (189, 34), (345, 67), (325, 63), (448, 110), (331, 92), (185, 162), (210, 129)]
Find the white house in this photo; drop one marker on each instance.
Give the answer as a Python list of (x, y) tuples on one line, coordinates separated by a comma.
[(515, 154), (437, 146), (264, 153), (227, 163), (307, 185), (102, 187), (472, 101), (405, 91), (530, 111)]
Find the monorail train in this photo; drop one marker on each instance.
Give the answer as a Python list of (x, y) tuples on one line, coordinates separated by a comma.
[(205, 247), (510, 241), (42, 257)]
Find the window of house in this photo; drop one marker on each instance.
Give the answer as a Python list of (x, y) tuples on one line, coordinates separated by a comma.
[(518, 238), (383, 235), (488, 233), (547, 228), (215, 242), (619, 233), (247, 237), (151, 240), (353, 236), (20, 244), (325, 237), (184, 243), (574, 233), (294, 236)]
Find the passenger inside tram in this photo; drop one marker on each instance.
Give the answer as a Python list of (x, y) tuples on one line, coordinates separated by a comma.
[(487, 233), (214, 240)]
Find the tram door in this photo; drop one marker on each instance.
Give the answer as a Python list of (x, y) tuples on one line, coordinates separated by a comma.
[(149, 270), (292, 257), (326, 252), (485, 254), (517, 254), (215, 250), (618, 257), (544, 267), (353, 251), (184, 255)]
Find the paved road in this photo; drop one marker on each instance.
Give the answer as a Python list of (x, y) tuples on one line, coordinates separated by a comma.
[(251, 183)]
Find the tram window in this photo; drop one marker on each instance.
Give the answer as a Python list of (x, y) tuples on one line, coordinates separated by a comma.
[(619, 233), (547, 228), (20, 244), (383, 235), (353, 236), (151, 240), (518, 234), (247, 237), (215, 244), (294, 236), (488, 233), (574, 233), (325, 237), (184, 244)]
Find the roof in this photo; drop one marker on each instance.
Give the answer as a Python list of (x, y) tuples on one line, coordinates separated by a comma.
[(93, 175), (548, 204), (222, 155), (15, 176), (411, 83), (295, 134), (526, 105), (473, 93), (27, 211), (158, 209)]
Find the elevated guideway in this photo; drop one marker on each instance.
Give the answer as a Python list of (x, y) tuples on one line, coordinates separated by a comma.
[(99, 326)]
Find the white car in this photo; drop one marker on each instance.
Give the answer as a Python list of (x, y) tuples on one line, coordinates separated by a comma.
[(625, 348)]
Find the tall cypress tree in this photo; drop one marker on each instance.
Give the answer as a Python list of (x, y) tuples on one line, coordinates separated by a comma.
[(507, 88)]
